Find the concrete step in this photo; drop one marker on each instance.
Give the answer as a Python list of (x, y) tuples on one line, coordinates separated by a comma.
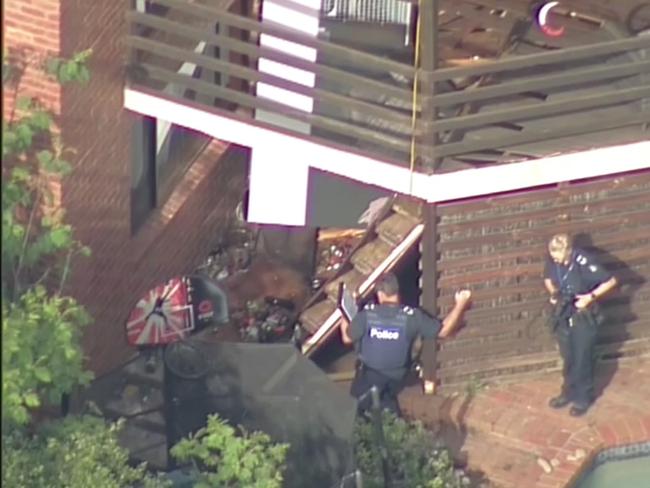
[(523, 366), (449, 387), (472, 353), (493, 367)]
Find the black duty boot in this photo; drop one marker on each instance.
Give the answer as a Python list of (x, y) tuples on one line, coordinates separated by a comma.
[(559, 401), (579, 409)]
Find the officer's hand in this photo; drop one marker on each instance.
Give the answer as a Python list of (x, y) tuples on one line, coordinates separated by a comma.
[(553, 299), (583, 301), (462, 297)]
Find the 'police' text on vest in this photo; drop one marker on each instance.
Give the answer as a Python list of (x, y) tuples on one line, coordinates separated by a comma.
[(388, 334)]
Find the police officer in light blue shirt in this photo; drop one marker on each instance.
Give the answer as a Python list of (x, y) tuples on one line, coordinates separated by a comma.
[(575, 281), (383, 335)]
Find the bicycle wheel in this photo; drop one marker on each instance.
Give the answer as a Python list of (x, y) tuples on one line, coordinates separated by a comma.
[(185, 360)]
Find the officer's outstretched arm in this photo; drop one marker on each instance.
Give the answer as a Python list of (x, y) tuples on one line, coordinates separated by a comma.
[(452, 320), (345, 331)]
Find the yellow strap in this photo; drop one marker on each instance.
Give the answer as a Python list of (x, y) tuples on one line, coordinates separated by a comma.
[(416, 63)]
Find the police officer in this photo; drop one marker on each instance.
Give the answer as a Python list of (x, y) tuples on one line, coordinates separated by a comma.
[(575, 281), (383, 335)]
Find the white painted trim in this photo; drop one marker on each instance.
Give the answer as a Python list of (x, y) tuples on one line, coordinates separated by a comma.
[(294, 18), (434, 188), (543, 171), (325, 330), (288, 192)]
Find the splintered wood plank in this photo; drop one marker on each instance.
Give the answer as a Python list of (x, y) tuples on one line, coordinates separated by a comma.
[(370, 256), (352, 280), (312, 318), (409, 207), (395, 228)]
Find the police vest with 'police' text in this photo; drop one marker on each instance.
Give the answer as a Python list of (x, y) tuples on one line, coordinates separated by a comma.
[(385, 344)]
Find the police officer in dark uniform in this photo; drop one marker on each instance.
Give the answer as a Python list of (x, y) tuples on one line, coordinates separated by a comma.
[(383, 335), (576, 281)]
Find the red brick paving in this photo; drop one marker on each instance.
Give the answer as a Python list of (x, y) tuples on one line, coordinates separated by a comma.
[(503, 429)]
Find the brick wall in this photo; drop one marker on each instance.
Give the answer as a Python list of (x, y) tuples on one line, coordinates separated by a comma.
[(30, 35), (97, 194)]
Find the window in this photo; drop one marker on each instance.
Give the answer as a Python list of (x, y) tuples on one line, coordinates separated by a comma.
[(161, 153)]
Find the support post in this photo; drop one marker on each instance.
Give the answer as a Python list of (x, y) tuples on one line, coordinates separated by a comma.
[(428, 12), (428, 46), (428, 285)]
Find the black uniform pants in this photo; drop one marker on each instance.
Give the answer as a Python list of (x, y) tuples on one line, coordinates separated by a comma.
[(576, 339), (365, 378)]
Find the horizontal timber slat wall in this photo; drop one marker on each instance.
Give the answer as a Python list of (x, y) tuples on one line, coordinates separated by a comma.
[(496, 246)]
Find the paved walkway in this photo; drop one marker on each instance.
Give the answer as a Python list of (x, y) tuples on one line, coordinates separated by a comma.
[(509, 435)]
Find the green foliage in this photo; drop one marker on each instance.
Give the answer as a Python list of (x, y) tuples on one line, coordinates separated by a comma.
[(36, 244), (41, 328), (18, 135), (415, 459), (41, 356), (222, 457), (77, 452), (70, 70)]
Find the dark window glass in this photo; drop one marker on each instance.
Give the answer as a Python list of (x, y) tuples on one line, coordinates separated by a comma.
[(176, 148), (143, 170)]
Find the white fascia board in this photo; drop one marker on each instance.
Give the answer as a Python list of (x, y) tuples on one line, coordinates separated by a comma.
[(538, 172), (433, 188), (319, 156)]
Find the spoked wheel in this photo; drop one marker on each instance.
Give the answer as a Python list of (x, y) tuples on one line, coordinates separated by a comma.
[(186, 360)]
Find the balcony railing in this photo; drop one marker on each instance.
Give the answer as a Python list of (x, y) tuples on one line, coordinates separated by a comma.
[(364, 102)]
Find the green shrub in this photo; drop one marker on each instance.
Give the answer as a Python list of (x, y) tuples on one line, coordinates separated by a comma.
[(76, 452), (222, 456), (415, 458)]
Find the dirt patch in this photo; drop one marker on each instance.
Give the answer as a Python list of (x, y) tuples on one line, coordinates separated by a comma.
[(266, 278)]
